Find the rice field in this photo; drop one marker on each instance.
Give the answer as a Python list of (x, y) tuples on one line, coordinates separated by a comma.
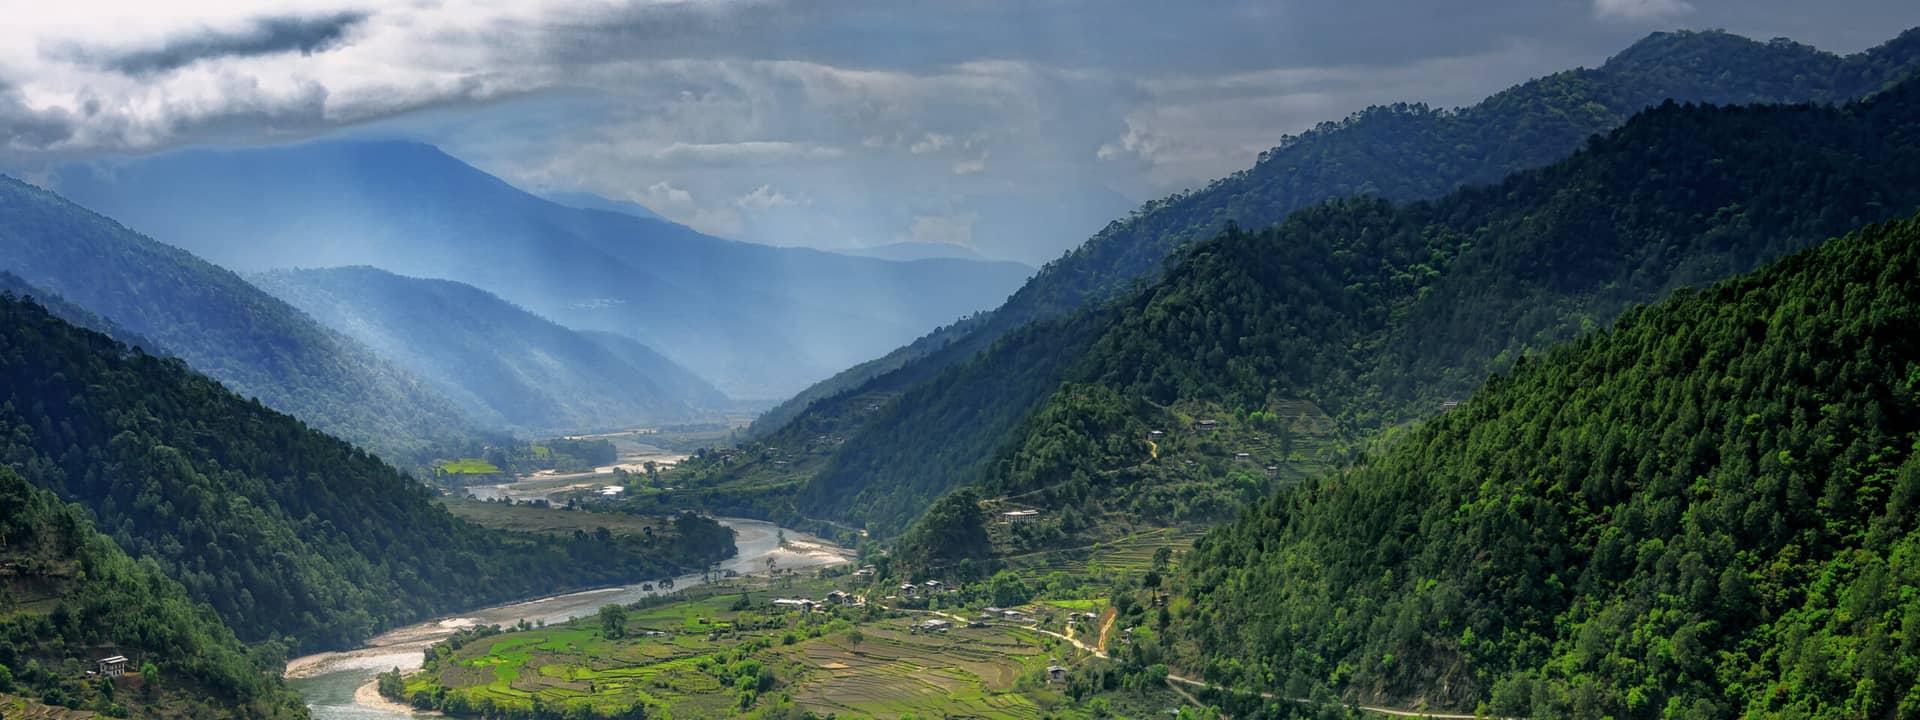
[(684, 659)]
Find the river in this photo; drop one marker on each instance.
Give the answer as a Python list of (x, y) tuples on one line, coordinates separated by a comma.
[(338, 685)]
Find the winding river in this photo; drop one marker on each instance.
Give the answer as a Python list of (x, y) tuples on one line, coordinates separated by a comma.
[(339, 685)]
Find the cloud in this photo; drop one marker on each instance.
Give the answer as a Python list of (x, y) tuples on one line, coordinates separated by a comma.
[(257, 36), (680, 205), (766, 198), (23, 128), (882, 112), (972, 167), (746, 152), (663, 197), (1640, 9), (932, 143)]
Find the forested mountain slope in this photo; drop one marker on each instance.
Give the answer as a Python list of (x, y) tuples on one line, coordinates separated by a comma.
[(222, 326), (1409, 152), (1375, 314), (503, 365), (69, 596), (760, 321), (289, 534), (1397, 152), (1710, 510), (74, 314)]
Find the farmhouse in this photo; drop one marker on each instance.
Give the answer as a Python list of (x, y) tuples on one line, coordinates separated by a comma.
[(112, 666), (932, 626), (796, 603), (1020, 516), (1056, 674), (865, 571)]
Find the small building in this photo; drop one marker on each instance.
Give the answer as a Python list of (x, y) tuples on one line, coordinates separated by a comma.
[(112, 666), (865, 571), (1243, 457), (1012, 614), (611, 490), (931, 626), (840, 598), (796, 603), (1156, 434), (1020, 516), (1206, 425), (909, 590), (1449, 405), (932, 586), (1056, 674)]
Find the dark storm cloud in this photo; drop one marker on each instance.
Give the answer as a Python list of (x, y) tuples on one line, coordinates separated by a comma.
[(891, 119), (23, 128), (261, 36), (1119, 35)]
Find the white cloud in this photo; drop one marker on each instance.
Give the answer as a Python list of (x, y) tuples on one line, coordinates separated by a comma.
[(973, 166), (767, 198), (1640, 9), (664, 197), (932, 143), (747, 152)]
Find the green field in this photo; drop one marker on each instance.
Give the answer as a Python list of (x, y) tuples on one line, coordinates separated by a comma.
[(710, 659), (467, 466)]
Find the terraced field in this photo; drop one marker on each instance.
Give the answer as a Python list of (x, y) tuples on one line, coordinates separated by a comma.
[(702, 657), (966, 673), (16, 708)]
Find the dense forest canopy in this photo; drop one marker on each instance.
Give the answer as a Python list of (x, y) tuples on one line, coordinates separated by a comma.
[(1399, 153), (1710, 510), (1377, 314), (291, 535), (69, 596)]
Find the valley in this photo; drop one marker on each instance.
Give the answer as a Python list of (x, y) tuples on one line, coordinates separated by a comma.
[(636, 375), (335, 683)]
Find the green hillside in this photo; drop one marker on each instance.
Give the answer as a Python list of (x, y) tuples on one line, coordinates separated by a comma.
[(1397, 153), (69, 596), (1355, 317), (294, 537), (1710, 510)]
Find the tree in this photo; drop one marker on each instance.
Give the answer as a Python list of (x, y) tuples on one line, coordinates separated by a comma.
[(1009, 590), (613, 621), (149, 678)]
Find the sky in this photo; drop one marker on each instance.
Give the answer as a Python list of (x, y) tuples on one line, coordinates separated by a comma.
[(1015, 129)]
